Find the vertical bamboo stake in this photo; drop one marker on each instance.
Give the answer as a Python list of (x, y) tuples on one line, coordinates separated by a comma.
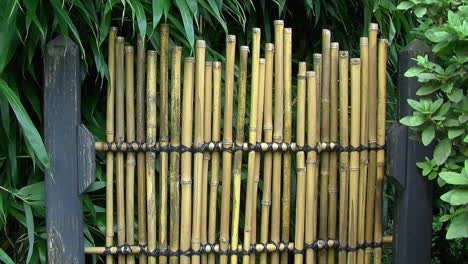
[(325, 137), (110, 138), (277, 137), (151, 156), (252, 138), (354, 165), (163, 137), (364, 139), (215, 157), (344, 156), (140, 122), (268, 131), (311, 166), (130, 180), (373, 30), (227, 142), (286, 199), (186, 158), (256, 180), (119, 138), (300, 164), (237, 170), (198, 141), (174, 199), (381, 104), (206, 155), (332, 182)]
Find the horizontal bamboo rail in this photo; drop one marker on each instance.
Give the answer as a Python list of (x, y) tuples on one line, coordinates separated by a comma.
[(200, 189)]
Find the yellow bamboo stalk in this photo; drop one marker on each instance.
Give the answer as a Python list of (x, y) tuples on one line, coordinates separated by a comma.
[(332, 182), (344, 156), (119, 138), (215, 156), (151, 156), (268, 131), (364, 139), (237, 170), (286, 199), (252, 138), (325, 137), (186, 159), (200, 47), (130, 179), (206, 155), (381, 114), (277, 137), (110, 138), (311, 166), (354, 159), (300, 164), (256, 180), (227, 142), (163, 136), (372, 172), (174, 198)]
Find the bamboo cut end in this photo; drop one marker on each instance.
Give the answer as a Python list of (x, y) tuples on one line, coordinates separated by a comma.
[(208, 63), (335, 45), (287, 30), (190, 59), (384, 41), (310, 74), (317, 55), (344, 54), (164, 27), (278, 22), (217, 64), (177, 48), (129, 49), (326, 32), (269, 47), (364, 41), (200, 44), (113, 29), (256, 30), (120, 39), (373, 26), (231, 38), (262, 61), (246, 48), (355, 61)]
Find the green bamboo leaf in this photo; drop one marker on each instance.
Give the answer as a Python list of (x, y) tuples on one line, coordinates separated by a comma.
[(442, 151), (405, 5), (5, 258), (158, 8), (30, 227), (30, 132), (8, 32), (188, 21), (139, 12)]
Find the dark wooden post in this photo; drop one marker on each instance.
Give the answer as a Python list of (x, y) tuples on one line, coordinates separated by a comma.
[(413, 204), (69, 149)]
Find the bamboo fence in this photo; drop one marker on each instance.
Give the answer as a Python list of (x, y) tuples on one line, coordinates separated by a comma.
[(303, 184)]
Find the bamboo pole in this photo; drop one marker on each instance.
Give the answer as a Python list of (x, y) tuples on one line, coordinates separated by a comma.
[(252, 138), (186, 159), (140, 126), (344, 156), (381, 114), (215, 157), (163, 136), (119, 138), (354, 159), (371, 188), (227, 142), (268, 131), (256, 180), (151, 156), (206, 156), (200, 47), (277, 137), (130, 179), (237, 170), (286, 199), (311, 166), (110, 138), (364, 139), (332, 182), (174, 197), (325, 137), (300, 164)]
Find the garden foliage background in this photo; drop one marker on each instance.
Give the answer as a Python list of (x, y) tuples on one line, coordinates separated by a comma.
[(27, 25)]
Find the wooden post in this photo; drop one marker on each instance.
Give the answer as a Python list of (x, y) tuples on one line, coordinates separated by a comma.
[(71, 151), (413, 204)]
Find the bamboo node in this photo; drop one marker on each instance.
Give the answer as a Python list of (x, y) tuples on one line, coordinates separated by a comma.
[(190, 59), (216, 64), (200, 44), (310, 73), (380, 164), (266, 203), (185, 181), (301, 169), (253, 129), (267, 127), (374, 26), (332, 190), (279, 138), (285, 200), (236, 171), (109, 132), (223, 240), (354, 169), (129, 49), (365, 161), (110, 234), (120, 227), (364, 41), (311, 161), (174, 179), (215, 183), (131, 163)]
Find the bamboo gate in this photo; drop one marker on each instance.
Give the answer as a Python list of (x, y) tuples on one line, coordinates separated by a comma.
[(182, 187)]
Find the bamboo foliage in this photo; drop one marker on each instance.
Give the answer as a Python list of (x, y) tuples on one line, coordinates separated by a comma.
[(330, 154)]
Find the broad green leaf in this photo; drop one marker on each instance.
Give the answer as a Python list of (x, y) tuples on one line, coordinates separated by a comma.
[(428, 135), (427, 89), (414, 71), (435, 105), (188, 21), (466, 166), (442, 151), (454, 178), (425, 77), (435, 35), (30, 227), (456, 197), (420, 11), (415, 105), (158, 8), (413, 121), (455, 132), (445, 218), (405, 5), (459, 227), (5, 258), (456, 95), (30, 132)]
